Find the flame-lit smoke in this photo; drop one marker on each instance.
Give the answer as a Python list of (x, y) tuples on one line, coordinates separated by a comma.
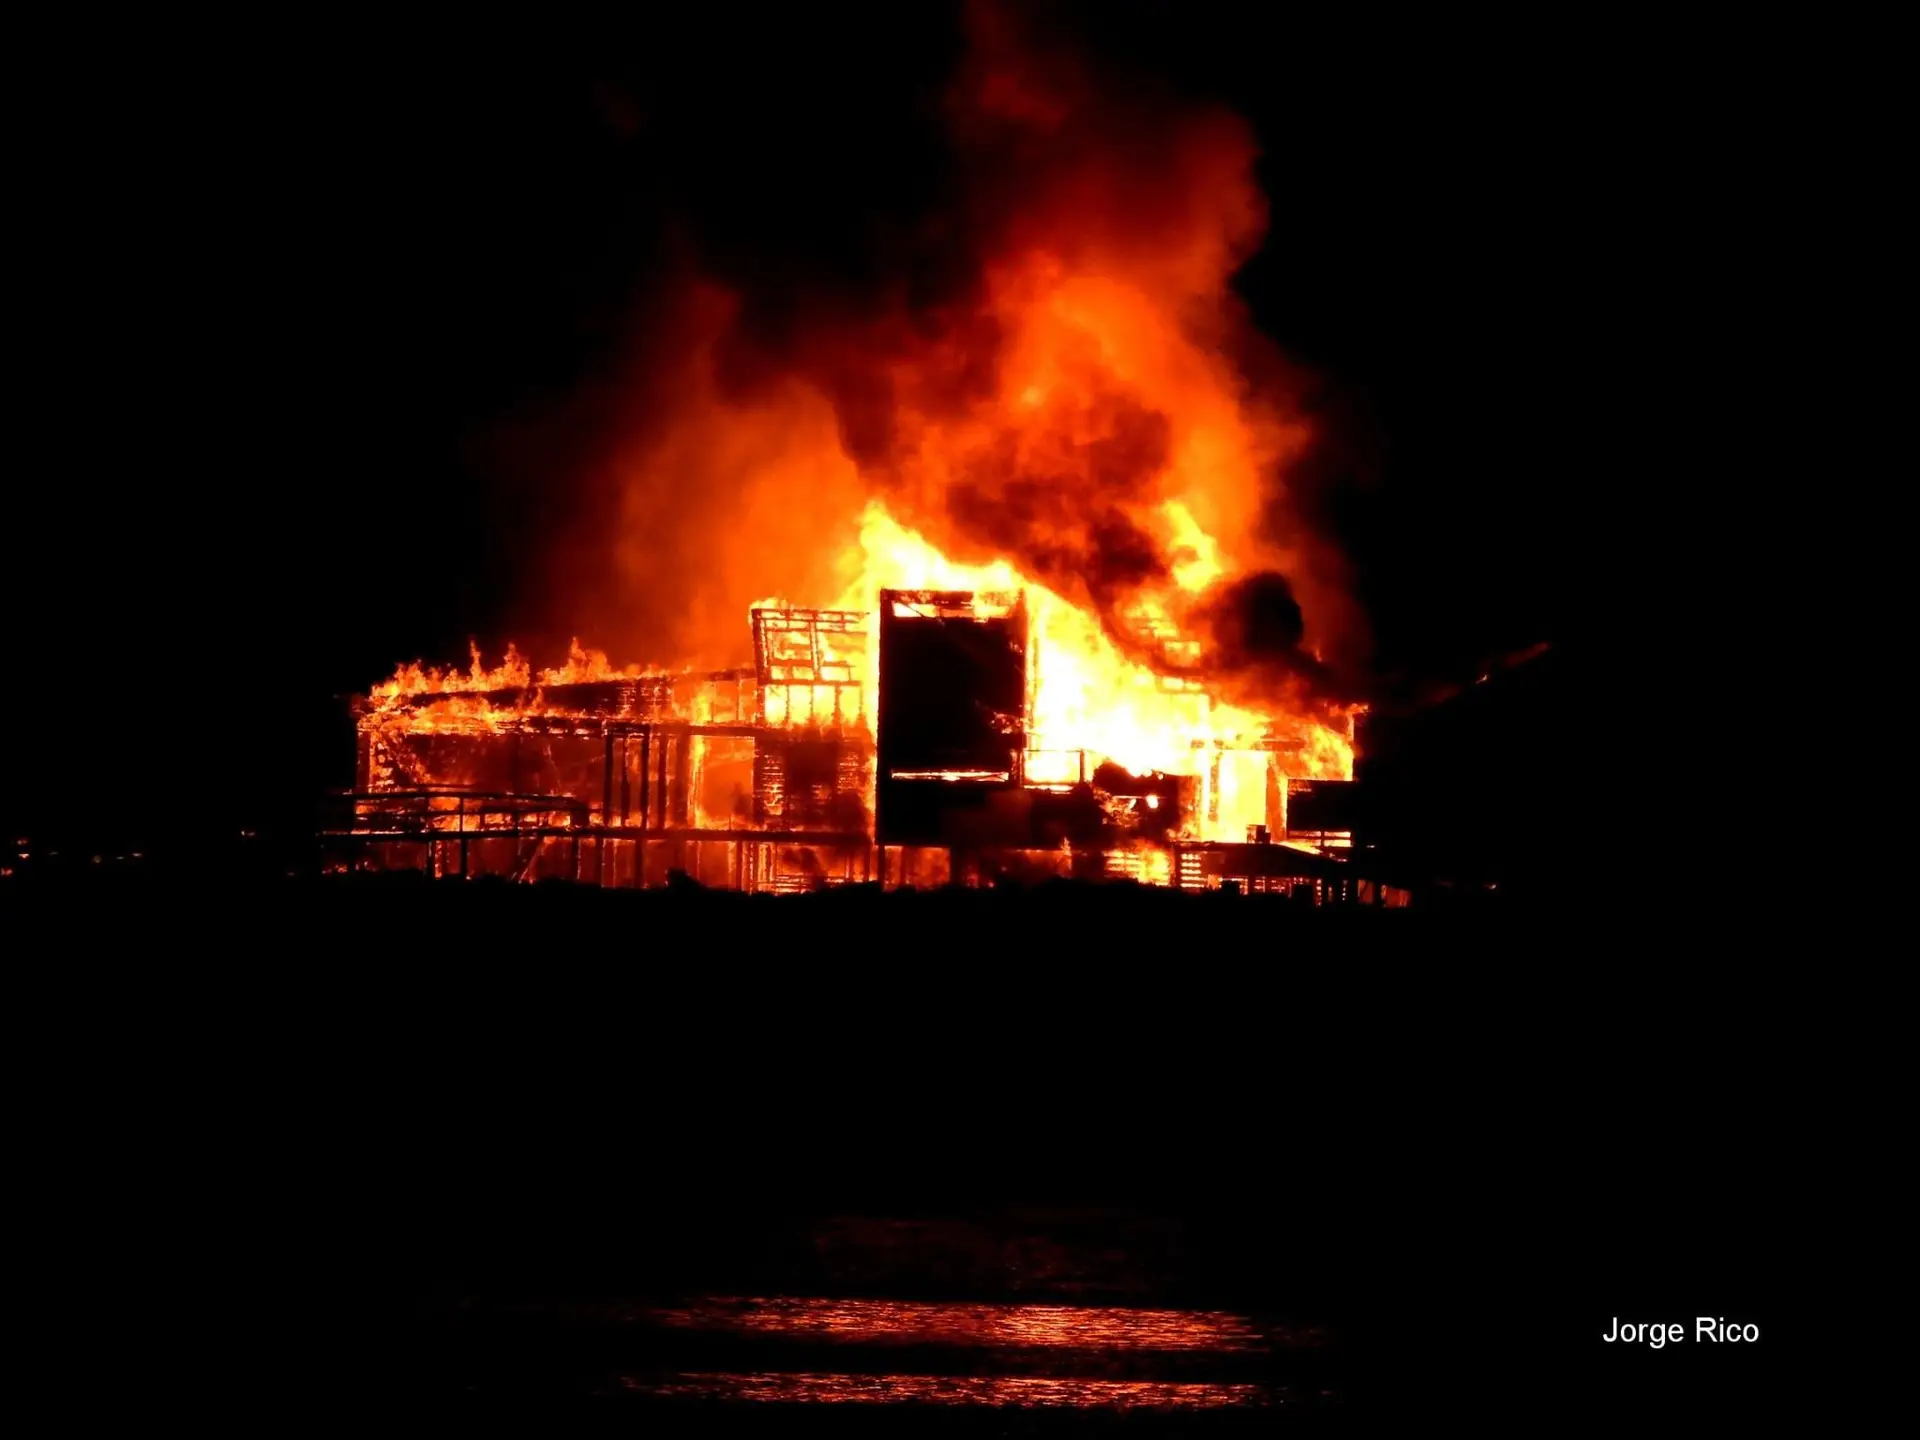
[(1075, 408), (1071, 411)]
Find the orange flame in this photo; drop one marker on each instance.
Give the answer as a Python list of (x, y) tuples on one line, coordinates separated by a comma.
[(1088, 696), (1092, 421), (512, 673)]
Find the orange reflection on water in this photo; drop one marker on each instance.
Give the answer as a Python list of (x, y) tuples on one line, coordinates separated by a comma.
[(1015, 1391), (921, 1322)]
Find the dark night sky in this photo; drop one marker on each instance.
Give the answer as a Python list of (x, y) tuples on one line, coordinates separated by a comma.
[(287, 309)]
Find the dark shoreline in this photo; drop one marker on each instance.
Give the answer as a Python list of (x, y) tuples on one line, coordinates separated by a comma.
[(1447, 1136)]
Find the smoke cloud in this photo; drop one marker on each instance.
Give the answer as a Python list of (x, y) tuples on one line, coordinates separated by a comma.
[(1041, 361)]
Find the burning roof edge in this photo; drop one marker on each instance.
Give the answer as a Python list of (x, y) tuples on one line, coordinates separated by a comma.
[(564, 695)]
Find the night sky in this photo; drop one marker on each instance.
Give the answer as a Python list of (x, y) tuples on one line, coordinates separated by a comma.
[(327, 335)]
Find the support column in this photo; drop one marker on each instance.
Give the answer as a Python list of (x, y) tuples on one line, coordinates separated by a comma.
[(625, 786), (606, 782), (606, 818), (646, 779)]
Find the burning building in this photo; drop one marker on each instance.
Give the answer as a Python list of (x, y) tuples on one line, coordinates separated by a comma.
[(1053, 597), (917, 743)]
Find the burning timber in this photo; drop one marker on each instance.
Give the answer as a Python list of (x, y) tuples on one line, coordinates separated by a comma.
[(897, 747)]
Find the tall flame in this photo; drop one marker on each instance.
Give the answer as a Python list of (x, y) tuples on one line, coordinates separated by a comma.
[(1084, 414), (1089, 696)]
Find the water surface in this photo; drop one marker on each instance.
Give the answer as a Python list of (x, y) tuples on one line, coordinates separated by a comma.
[(1081, 1326)]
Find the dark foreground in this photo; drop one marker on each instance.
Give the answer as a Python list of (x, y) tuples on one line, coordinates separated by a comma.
[(953, 1162)]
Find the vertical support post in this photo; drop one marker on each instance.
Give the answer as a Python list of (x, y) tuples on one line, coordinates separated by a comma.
[(606, 815), (646, 781), (606, 785), (625, 786), (672, 789), (660, 795)]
